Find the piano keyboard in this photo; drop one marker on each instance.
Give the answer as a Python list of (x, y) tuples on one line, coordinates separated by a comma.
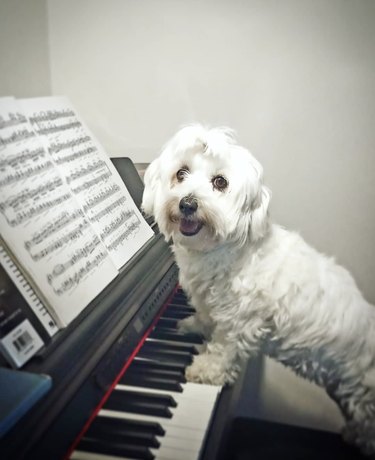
[(153, 413)]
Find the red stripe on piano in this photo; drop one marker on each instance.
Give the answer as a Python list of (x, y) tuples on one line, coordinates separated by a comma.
[(117, 379)]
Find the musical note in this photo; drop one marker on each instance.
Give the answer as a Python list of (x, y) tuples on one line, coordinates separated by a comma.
[(85, 170), (54, 227), (12, 119), (56, 147), (100, 197), (17, 136), (52, 128), (22, 157), (50, 115), (74, 280), (59, 243), (78, 255)]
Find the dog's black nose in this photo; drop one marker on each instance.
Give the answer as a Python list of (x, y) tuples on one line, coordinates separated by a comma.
[(188, 205)]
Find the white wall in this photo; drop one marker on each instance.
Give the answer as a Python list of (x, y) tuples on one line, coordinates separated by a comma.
[(24, 58), (295, 78)]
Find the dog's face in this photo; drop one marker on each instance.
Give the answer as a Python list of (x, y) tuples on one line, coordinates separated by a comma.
[(204, 190)]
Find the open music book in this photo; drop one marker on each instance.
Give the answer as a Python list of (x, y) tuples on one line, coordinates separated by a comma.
[(67, 221)]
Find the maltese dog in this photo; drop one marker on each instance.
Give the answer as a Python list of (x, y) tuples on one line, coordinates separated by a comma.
[(257, 287)]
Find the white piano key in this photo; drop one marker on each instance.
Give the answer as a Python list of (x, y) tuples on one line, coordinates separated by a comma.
[(180, 421), (194, 391), (83, 455), (167, 453), (174, 342)]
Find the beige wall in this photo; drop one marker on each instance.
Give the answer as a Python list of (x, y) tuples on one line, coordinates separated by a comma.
[(295, 78), (24, 56)]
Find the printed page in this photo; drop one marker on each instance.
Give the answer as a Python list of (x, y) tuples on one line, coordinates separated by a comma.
[(42, 223), (90, 176)]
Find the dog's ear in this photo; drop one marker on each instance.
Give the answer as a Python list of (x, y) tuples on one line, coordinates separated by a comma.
[(151, 180), (259, 216)]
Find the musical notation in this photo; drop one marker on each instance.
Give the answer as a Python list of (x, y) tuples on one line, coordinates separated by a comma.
[(100, 197), (23, 197), (22, 157), (20, 175), (52, 128), (66, 213), (62, 221), (12, 119), (85, 170), (115, 224), (130, 230), (17, 136), (56, 147), (50, 115), (59, 243), (33, 211), (74, 280), (74, 156), (89, 184), (77, 256), (108, 209)]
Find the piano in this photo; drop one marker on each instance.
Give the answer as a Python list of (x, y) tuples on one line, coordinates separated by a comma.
[(119, 390)]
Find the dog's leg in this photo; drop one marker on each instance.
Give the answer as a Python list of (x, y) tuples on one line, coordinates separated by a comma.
[(221, 361), (358, 406), (199, 323)]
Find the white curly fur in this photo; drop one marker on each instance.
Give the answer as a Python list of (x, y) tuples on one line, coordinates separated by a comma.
[(256, 286)]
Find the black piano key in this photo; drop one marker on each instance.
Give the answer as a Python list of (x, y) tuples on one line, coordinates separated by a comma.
[(148, 364), (144, 377), (138, 404), (118, 396), (165, 374), (140, 407), (180, 297), (146, 367), (115, 448), (175, 314), (170, 334), (129, 436), (174, 307), (181, 303), (118, 425), (172, 377), (170, 323), (176, 365), (161, 355), (151, 382), (170, 346)]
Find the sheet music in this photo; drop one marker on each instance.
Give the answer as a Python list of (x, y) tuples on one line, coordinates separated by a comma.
[(90, 175), (42, 222)]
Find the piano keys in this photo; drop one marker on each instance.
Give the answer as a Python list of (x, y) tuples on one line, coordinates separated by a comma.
[(152, 412)]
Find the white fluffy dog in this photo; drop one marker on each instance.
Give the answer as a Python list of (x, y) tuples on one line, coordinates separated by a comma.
[(256, 286)]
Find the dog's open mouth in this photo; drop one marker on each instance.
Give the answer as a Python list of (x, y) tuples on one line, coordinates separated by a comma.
[(190, 227)]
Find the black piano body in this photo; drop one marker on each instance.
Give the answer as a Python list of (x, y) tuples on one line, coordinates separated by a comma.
[(87, 358)]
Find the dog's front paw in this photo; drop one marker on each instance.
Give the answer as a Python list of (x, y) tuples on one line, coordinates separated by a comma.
[(211, 369), (361, 437), (189, 324)]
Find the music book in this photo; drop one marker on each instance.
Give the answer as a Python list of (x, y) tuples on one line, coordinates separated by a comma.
[(19, 392), (67, 220)]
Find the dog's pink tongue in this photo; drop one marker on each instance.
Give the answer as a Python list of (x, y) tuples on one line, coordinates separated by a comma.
[(189, 227)]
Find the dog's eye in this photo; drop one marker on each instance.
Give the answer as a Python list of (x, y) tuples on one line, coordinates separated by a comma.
[(219, 182), (181, 174)]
